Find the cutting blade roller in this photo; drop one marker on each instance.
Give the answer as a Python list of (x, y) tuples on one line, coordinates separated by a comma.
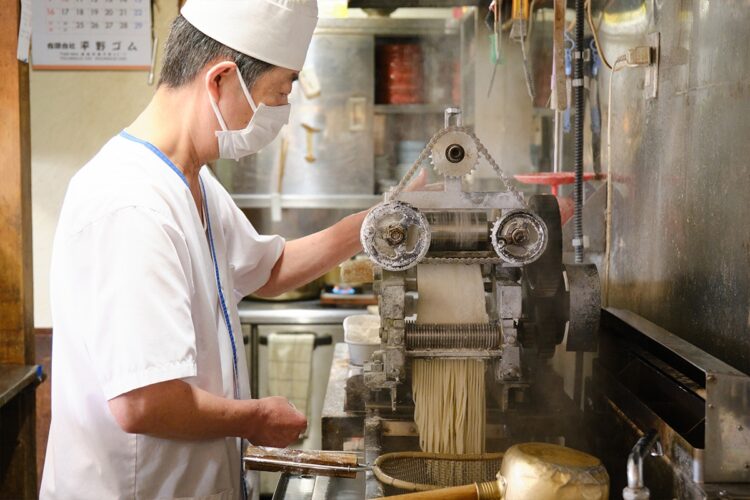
[(444, 336)]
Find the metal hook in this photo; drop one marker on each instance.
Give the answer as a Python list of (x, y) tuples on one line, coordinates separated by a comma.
[(657, 450), (569, 39)]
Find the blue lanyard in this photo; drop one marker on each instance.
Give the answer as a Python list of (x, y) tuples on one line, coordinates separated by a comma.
[(222, 301)]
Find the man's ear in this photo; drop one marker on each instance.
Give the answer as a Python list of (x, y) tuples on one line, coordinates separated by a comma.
[(216, 76)]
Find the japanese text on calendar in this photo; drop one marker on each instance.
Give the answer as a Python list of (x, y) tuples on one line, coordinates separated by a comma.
[(91, 34)]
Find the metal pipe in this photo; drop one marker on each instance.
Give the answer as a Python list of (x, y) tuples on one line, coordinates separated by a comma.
[(557, 159), (255, 357), (578, 100), (648, 444)]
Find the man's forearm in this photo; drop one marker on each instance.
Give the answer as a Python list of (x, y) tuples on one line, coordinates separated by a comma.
[(308, 258), (178, 410)]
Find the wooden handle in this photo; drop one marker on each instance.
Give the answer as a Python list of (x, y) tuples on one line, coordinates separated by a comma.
[(310, 131), (467, 492), (321, 457), (282, 163)]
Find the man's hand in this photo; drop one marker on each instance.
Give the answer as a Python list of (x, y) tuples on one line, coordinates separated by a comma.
[(282, 423), (419, 183)]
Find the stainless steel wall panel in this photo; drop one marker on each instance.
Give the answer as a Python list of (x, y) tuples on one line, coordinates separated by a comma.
[(681, 166)]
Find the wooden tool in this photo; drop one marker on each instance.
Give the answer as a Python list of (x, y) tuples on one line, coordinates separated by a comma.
[(477, 491), (282, 163), (354, 300), (302, 462), (310, 132)]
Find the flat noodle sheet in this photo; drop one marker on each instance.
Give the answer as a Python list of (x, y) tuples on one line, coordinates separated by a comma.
[(449, 395), (450, 294)]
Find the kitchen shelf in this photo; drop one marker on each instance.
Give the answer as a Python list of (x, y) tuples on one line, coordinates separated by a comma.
[(15, 378), (410, 109), (304, 312), (388, 26), (329, 201), (395, 4)]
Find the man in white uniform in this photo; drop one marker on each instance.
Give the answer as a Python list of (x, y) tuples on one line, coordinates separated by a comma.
[(150, 396)]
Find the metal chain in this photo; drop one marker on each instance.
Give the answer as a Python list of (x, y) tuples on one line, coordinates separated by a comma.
[(504, 178), (393, 194)]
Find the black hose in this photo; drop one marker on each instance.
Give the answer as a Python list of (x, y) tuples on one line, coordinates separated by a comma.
[(578, 132)]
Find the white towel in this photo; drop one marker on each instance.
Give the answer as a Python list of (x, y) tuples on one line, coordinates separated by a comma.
[(290, 367)]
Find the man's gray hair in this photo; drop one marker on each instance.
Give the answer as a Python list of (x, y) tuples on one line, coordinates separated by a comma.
[(188, 51)]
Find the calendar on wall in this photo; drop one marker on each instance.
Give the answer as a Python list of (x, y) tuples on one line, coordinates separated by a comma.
[(91, 34)]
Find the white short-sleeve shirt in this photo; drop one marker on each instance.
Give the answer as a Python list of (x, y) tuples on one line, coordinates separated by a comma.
[(135, 302)]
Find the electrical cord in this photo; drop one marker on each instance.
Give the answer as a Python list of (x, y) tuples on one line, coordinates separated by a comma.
[(531, 23), (595, 32)]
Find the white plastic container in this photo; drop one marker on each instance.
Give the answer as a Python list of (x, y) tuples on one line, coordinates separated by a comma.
[(362, 335)]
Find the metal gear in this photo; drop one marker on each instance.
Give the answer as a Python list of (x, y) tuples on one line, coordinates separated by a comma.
[(519, 237), (455, 154), (395, 236)]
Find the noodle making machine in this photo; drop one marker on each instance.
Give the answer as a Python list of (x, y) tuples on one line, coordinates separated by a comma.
[(533, 300)]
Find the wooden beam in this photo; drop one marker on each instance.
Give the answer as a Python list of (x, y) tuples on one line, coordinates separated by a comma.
[(16, 293), (17, 416)]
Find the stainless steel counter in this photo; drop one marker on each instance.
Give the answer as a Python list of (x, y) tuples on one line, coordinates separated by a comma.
[(320, 488), (305, 312)]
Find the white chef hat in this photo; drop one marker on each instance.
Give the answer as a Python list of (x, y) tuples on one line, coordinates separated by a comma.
[(275, 31)]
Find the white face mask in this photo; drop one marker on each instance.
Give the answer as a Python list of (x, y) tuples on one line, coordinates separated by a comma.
[(263, 128)]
